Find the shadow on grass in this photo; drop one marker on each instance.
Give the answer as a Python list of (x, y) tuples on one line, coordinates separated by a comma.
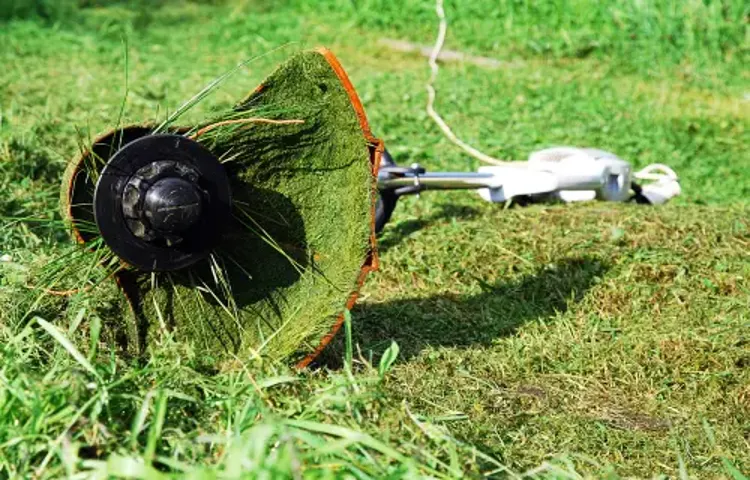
[(395, 234), (464, 321)]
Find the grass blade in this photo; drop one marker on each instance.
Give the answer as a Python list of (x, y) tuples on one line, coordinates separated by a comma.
[(154, 433), (55, 333), (351, 435)]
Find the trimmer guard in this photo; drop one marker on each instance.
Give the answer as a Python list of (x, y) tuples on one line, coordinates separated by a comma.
[(300, 240)]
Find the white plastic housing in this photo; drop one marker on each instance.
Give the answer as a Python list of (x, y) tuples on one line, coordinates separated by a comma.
[(566, 161), (568, 173), (511, 181)]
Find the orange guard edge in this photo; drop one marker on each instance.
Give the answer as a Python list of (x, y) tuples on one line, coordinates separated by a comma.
[(376, 150), (371, 263)]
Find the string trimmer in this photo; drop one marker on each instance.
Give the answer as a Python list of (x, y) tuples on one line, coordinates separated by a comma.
[(249, 234)]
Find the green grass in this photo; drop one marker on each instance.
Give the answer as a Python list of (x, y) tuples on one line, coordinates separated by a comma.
[(590, 340)]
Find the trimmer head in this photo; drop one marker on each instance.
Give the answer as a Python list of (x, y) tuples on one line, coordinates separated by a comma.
[(246, 235), (162, 202)]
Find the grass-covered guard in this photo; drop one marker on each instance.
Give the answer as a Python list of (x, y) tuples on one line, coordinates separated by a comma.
[(300, 160)]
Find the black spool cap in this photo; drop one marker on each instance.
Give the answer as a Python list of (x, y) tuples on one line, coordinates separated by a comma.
[(172, 205), (161, 202)]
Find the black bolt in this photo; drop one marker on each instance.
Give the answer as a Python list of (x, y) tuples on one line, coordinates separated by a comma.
[(172, 205)]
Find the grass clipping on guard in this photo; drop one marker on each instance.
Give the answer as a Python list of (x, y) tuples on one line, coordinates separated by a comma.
[(301, 162)]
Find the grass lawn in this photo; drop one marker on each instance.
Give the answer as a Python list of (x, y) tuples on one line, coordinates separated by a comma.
[(557, 341)]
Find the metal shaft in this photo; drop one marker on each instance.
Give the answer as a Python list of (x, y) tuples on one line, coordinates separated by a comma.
[(438, 181)]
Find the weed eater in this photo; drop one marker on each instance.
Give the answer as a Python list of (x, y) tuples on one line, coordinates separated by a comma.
[(249, 234)]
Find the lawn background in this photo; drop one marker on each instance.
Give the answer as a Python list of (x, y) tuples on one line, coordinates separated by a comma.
[(599, 338)]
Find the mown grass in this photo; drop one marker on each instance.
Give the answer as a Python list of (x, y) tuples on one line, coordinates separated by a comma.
[(592, 340)]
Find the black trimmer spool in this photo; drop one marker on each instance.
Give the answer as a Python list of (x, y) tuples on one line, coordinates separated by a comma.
[(161, 201)]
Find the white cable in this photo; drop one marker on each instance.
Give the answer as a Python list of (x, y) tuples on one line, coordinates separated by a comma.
[(439, 41), (657, 172), (667, 174), (664, 183)]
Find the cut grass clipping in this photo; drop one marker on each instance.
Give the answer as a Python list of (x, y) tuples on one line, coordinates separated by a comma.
[(300, 167)]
